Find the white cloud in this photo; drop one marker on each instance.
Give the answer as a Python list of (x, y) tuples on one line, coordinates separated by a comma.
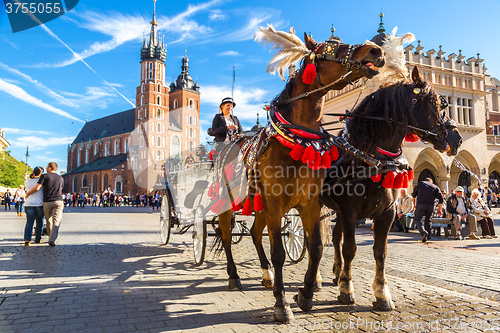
[(216, 15), (89, 98), (125, 28), (40, 142), (21, 94), (229, 53), (23, 131)]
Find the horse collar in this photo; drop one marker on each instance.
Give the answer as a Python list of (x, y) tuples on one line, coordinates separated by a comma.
[(388, 153)]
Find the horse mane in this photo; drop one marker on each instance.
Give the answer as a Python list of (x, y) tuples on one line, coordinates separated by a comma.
[(391, 102), (285, 94), (290, 48)]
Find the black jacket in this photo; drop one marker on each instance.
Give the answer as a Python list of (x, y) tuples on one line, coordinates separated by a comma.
[(219, 127), (426, 193)]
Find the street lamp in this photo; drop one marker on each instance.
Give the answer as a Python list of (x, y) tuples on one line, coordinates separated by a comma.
[(26, 170)]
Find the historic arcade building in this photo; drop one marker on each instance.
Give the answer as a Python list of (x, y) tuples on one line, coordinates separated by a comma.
[(473, 97), (126, 152)]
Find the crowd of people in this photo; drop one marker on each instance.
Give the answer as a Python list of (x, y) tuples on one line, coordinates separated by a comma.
[(429, 201), (108, 198)]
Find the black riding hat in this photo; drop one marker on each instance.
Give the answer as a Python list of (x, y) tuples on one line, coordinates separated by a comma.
[(227, 100)]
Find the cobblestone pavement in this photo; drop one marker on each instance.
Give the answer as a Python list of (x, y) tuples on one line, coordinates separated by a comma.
[(108, 273)]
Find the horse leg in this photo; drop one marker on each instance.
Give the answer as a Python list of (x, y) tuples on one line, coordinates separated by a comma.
[(337, 256), (256, 231), (380, 288), (225, 226), (312, 228), (349, 247), (282, 311)]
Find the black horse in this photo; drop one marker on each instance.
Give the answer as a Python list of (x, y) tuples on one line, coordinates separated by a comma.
[(374, 132)]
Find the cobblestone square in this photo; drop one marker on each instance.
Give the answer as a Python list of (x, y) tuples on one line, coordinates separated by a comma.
[(109, 273)]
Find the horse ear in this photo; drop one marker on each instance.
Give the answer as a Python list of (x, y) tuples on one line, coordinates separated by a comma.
[(310, 43), (415, 75)]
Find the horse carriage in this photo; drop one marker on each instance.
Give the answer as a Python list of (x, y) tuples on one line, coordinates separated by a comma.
[(367, 153), (185, 207)]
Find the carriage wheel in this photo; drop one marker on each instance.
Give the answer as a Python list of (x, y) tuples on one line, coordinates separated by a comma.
[(237, 229), (294, 236), (165, 220), (199, 236)]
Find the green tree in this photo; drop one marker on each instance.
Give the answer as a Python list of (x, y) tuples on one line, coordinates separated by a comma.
[(12, 171)]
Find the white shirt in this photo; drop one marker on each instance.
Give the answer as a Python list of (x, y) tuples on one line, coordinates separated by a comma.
[(461, 206), (229, 122), (36, 199)]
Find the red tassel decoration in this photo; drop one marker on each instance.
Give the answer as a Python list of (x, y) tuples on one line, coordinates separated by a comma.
[(411, 137), (309, 155), (410, 175), (389, 180), (297, 152), (247, 208), (212, 154), (334, 153), (316, 164), (326, 160), (398, 181), (258, 205), (230, 172), (218, 206), (217, 189), (236, 205), (377, 178), (309, 74), (211, 193), (405, 180)]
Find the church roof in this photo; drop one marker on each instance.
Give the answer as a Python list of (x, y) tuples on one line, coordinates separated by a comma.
[(118, 123), (104, 163)]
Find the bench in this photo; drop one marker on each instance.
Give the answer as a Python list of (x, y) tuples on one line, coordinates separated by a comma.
[(440, 222)]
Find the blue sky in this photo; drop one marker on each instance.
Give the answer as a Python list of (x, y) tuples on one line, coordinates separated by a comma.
[(46, 93)]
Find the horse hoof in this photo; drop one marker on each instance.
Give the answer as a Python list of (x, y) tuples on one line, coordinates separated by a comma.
[(383, 305), (346, 298), (317, 286), (268, 284), (235, 284), (305, 304), (283, 314)]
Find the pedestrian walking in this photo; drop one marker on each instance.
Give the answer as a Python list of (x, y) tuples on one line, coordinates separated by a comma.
[(7, 198), (425, 193), (33, 208), (53, 204), (19, 198)]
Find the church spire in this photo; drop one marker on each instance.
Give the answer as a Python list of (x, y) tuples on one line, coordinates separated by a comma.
[(153, 49), (381, 28)]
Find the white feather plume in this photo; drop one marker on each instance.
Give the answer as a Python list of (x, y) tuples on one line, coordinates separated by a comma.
[(395, 61), (290, 48)]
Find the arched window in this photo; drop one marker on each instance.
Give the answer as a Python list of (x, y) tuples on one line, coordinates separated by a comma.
[(84, 181), (190, 132), (175, 146), (191, 145), (158, 155), (94, 184), (86, 155), (158, 113), (142, 100), (142, 88), (175, 104), (159, 87), (95, 149), (158, 100), (125, 146), (116, 148), (106, 149), (118, 187), (105, 182), (158, 142), (191, 104), (78, 153), (158, 128), (426, 173), (75, 184)]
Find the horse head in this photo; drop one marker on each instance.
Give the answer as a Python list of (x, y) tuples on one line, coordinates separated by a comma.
[(334, 58), (432, 123)]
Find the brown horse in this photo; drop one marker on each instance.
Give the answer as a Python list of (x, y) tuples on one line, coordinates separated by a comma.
[(377, 128), (293, 179)]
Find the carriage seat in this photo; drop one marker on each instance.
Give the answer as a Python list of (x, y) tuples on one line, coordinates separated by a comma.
[(199, 187)]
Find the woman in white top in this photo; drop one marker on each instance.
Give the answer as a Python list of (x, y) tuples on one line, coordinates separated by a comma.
[(19, 198), (33, 208), (483, 213)]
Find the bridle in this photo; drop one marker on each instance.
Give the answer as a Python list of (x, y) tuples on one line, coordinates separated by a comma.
[(330, 50)]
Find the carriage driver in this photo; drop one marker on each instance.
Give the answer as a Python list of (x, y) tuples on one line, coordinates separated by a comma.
[(225, 126)]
